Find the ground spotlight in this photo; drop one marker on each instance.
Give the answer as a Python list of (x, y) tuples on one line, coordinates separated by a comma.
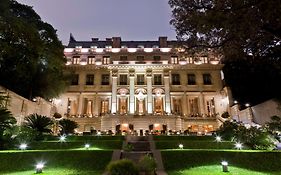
[(238, 145), (224, 166), (39, 167), (181, 146), (62, 138), (23, 146), (87, 146), (218, 138)]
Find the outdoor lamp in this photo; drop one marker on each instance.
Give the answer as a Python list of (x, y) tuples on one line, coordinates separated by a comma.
[(181, 146), (62, 138), (39, 168), (23, 146), (238, 145), (224, 166), (87, 146), (218, 138)]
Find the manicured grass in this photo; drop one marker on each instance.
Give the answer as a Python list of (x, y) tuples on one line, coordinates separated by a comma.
[(174, 144), (217, 170), (90, 138), (262, 161), (99, 144), (180, 138), (57, 171), (56, 161)]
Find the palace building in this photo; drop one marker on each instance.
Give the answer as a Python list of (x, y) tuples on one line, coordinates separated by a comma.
[(142, 85)]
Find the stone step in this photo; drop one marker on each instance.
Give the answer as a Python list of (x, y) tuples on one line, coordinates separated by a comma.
[(140, 146), (134, 156)]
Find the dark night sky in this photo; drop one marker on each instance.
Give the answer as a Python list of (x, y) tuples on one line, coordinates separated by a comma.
[(130, 19)]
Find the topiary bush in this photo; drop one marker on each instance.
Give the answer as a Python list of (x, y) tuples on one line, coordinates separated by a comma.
[(147, 164), (122, 167)]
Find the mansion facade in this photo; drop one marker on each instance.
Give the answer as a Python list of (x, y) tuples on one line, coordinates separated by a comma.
[(142, 85)]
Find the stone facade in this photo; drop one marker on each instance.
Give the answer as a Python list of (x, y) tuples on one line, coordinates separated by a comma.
[(142, 85)]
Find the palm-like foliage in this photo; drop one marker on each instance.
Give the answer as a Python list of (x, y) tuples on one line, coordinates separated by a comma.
[(39, 123), (67, 126), (7, 121)]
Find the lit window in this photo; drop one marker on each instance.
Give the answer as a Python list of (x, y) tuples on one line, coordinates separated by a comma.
[(108, 47), (106, 60), (207, 79), (124, 47), (140, 46), (140, 79), (90, 79), (76, 60), (211, 107), (123, 79), (91, 60), (78, 47), (191, 79), (176, 79), (105, 79), (174, 60)]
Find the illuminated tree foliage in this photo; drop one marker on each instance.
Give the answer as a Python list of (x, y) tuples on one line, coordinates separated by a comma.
[(246, 32), (31, 56)]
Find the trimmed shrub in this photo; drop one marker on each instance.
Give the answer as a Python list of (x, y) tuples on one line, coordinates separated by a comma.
[(122, 167), (147, 164)]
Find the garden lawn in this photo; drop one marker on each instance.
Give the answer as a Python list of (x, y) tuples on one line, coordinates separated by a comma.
[(174, 144), (182, 138), (56, 161), (185, 160)]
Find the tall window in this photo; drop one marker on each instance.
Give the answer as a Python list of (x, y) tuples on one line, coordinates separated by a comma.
[(140, 79), (75, 79), (140, 58), (123, 79), (106, 60), (176, 79), (211, 107), (156, 58), (157, 79), (91, 60), (191, 79), (207, 79), (174, 60), (105, 79), (123, 58), (76, 60), (90, 79), (193, 106), (104, 106)]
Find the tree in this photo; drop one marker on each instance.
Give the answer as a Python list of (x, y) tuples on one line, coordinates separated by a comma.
[(30, 53), (242, 31), (40, 124), (7, 122), (274, 126), (67, 126)]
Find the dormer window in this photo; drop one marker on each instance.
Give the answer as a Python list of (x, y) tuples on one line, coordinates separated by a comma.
[(140, 46), (155, 46), (94, 47), (78, 47), (108, 47), (124, 47)]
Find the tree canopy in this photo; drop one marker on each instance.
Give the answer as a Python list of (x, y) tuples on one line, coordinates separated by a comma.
[(31, 56), (246, 32)]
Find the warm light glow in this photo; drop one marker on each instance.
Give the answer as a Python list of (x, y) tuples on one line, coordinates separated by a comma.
[(62, 138), (238, 145), (99, 50), (98, 133), (115, 50), (182, 62), (131, 50), (87, 146), (235, 102), (125, 125), (224, 163), (83, 63), (23, 146), (148, 49), (214, 62), (68, 50), (84, 50), (218, 139), (181, 146), (98, 63), (156, 125), (39, 167), (165, 49), (247, 104)]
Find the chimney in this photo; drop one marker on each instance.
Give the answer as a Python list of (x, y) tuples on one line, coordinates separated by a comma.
[(163, 41), (95, 39), (116, 42)]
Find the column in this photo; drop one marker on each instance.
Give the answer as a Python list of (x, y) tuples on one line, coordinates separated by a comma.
[(167, 92), (201, 103), (184, 104), (114, 92), (80, 101), (132, 91), (149, 91)]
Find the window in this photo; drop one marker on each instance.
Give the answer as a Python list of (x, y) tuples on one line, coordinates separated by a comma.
[(191, 79), (140, 46), (123, 80), (193, 106), (140, 79), (91, 60), (140, 58), (207, 79), (123, 58), (211, 106), (156, 58), (75, 79), (106, 60), (174, 60), (90, 79), (157, 79), (176, 79), (105, 79), (76, 60)]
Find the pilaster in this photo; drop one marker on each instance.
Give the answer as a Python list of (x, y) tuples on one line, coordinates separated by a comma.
[(114, 92), (132, 91), (149, 91), (167, 91)]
